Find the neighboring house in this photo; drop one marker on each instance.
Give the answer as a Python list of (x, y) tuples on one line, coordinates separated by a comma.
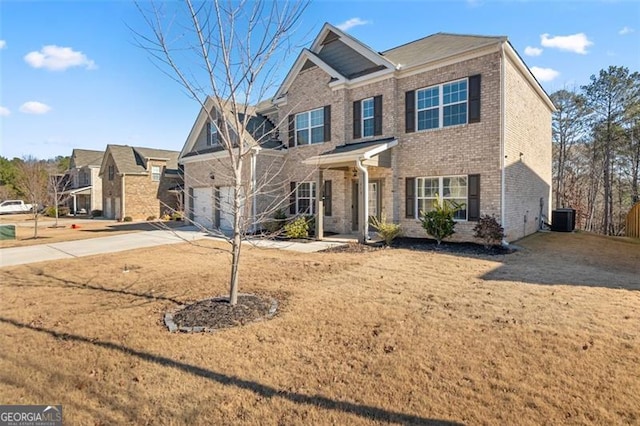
[(83, 184), (140, 182), (446, 117)]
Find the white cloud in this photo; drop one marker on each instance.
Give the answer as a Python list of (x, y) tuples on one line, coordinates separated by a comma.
[(3, 44), (625, 30), (34, 107), (532, 51), (4, 111), (350, 23), (544, 74), (56, 58), (576, 43)]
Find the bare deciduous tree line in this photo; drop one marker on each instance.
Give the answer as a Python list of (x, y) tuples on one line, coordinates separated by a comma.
[(596, 149)]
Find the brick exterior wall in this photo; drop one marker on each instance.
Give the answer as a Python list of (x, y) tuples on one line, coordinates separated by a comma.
[(527, 176), (473, 148), (142, 196)]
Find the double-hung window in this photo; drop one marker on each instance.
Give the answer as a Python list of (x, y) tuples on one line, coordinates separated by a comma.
[(444, 189), (367, 118), (442, 105), (310, 127), (155, 173), (306, 198), (112, 172), (212, 134)]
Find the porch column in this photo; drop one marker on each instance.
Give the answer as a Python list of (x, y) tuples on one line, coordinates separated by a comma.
[(75, 207), (364, 202), (320, 206)]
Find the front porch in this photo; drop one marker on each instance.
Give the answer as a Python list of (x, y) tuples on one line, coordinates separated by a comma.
[(358, 160)]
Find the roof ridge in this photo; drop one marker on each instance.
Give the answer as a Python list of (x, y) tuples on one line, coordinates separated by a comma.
[(503, 38)]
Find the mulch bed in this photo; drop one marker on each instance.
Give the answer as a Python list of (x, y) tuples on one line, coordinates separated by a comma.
[(217, 313), (425, 244)]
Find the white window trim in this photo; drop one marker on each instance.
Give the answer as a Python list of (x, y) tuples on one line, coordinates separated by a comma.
[(439, 193), (441, 105), (372, 118), (213, 133), (311, 198), (153, 175), (309, 128)]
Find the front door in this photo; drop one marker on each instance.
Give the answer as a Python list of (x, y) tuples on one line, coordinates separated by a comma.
[(375, 200)]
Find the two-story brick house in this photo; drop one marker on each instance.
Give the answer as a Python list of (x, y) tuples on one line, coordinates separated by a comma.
[(448, 117), (140, 182), (84, 188)]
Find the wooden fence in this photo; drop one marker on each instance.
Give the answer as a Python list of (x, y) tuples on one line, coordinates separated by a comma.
[(633, 222)]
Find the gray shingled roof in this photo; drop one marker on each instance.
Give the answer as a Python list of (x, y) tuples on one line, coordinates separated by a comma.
[(131, 160), (437, 46), (86, 157)]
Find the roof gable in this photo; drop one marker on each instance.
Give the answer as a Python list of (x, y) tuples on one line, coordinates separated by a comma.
[(339, 55), (130, 160)]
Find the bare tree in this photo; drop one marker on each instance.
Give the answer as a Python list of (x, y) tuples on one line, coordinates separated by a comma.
[(568, 129), (32, 181), (225, 55), (58, 184)]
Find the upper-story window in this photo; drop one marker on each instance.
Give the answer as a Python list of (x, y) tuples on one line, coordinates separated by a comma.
[(448, 104), (310, 127), (442, 105), (84, 178), (367, 117), (155, 173), (212, 134), (112, 172)]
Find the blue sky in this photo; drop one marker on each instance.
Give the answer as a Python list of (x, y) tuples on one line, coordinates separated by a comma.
[(72, 76)]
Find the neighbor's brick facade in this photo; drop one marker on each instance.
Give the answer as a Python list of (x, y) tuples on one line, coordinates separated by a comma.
[(143, 197)]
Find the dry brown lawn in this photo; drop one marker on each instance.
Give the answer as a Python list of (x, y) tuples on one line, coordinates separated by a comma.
[(48, 233), (547, 335)]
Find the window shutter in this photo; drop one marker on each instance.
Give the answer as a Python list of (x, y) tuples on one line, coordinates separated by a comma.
[(208, 142), (377, 115), (357, 116), (474, 99), (292, 198), (292, 131), (327, 123), (410, 204), (410, 111), (216, 202), (473, 212), (327, 198), (191, 204)]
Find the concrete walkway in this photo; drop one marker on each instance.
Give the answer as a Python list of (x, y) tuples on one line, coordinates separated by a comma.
[(89, 247)]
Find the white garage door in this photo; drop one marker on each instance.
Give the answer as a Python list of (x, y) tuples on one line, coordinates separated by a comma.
[(203, 207), (226, 207)]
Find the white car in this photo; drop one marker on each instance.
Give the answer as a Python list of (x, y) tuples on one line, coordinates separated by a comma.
[(15, 206)]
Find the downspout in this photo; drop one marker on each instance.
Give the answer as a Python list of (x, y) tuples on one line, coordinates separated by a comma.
[(503, 114), (254, 204), (122, 213), (364, 183)]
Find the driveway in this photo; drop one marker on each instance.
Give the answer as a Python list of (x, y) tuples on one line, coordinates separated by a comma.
[(89, 247)]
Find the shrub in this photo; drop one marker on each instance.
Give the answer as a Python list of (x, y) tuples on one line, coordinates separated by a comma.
[(96, 213), (152, 217), (275, 226), (62, 211), (439, 222), (176, 216), (386, 230), (299, 228), (489, 230), (127, 219)]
